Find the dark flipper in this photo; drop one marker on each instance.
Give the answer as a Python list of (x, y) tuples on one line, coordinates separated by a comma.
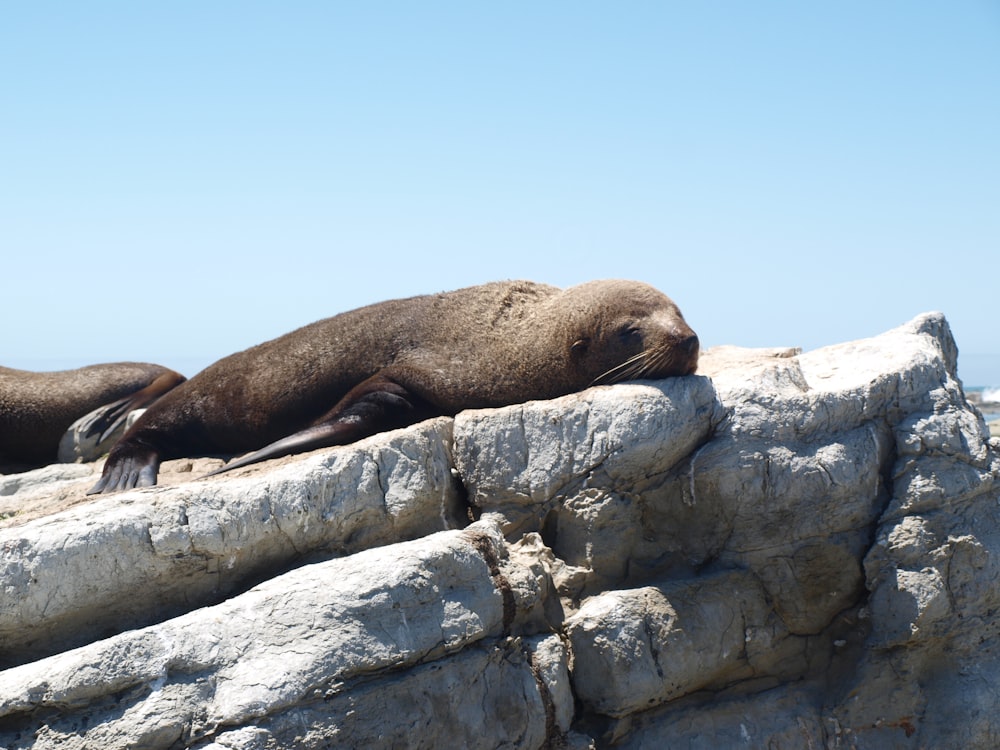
[(111, 416), (375, 405), (320, 436), (133, 463), (129, 465)]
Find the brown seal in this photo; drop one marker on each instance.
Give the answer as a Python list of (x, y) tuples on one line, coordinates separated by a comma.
[(36, 408), (394, 363)]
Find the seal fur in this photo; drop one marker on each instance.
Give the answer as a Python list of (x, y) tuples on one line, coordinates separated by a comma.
[(36, 408), (397, 362)]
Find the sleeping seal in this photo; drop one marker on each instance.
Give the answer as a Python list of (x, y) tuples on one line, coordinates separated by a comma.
[(36, 408), (394, 363)]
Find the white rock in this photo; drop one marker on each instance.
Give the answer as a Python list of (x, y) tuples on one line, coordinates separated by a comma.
[(786, 550), (297, 638), (128, 559), (638, 648)]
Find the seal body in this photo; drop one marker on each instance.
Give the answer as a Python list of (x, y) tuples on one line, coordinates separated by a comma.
[(394, 363), (36, 408)]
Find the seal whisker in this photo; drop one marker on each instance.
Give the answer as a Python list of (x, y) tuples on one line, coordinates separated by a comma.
[(621, 372), (651, 364), (608, 375), (657, 362)]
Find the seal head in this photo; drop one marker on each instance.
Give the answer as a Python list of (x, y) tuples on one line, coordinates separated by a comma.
[(628, 331)]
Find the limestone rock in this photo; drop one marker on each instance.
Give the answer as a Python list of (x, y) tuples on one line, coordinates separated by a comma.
[(129, 559), (421, 707), (786, 550), (17, 490), (642, 647), (289, 647)]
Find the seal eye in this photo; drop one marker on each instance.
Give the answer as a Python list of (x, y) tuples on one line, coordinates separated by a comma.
[(630, 334), (580, 346)]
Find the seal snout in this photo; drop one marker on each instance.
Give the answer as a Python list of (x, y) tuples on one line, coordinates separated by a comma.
[(689, 345), (687, 350), (681, 352)]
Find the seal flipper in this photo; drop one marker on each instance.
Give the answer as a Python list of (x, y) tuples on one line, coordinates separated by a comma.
[(108, 418), (104, 420), (320, 436), (375, 405), (128, 465)]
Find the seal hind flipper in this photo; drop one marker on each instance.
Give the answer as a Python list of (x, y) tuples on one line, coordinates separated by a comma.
[(103, 421), (108, 418), (375, 405), (320, 436)]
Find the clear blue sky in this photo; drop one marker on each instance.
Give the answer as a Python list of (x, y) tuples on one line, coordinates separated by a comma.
[(182, 180)]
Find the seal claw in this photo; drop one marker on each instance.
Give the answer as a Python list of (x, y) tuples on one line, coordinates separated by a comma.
[(128, 467)]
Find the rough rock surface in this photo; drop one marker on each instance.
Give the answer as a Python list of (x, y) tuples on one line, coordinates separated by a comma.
[(787, 550)]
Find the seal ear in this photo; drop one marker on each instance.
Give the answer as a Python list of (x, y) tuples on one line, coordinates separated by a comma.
[(580, 347)]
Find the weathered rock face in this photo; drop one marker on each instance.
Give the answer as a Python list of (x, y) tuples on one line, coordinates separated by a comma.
[(787, 550)]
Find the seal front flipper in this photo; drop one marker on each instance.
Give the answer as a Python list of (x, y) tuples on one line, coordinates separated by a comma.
[(129, 465), (375, 405)]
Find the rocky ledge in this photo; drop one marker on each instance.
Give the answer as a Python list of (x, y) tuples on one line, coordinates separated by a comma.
[(787, 550)]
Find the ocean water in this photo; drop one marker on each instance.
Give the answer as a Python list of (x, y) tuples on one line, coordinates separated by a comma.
[(980, 376), (979, 371), (987, 400)]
